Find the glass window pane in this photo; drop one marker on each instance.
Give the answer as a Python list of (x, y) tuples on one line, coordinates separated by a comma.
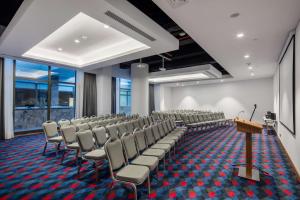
[(31, 94), (124, 96), (63, 74)]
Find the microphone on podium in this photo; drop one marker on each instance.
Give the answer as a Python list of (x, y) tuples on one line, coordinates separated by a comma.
[(255, 106)]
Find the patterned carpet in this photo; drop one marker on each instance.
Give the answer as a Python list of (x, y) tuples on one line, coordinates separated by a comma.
[(203, 169)]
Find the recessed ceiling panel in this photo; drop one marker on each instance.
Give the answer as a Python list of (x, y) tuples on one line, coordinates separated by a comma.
[(83, 41)]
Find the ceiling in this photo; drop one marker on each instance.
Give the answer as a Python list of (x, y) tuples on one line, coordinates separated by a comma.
[(38, 33), (265, 24), (189, 53)]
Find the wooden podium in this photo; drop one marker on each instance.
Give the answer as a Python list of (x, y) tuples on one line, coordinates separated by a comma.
[(249, 128)]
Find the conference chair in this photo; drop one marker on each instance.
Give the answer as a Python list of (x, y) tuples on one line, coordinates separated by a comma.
[(70, 140), (130, 127), (100, 136), (143, 149), (123, 172), (82, 127), (122, 128), (113, 131), (76, 121), (93, 124), (63, 122), (89, 151), (153, 145), (133, 156), (161, 140), (51, 135)]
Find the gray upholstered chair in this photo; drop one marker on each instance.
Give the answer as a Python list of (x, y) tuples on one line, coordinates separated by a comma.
[(113, 131), (122, 128), (100, 136), (82, 127), (161, 140), (89, 151), (93, 124), (71, 144), (130, 127), (51, 135), (152, 143), (132, 153), (64, 122), (76, 121), (143, 149), (123, 172)]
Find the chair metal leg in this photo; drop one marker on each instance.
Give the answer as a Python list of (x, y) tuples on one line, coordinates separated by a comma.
[(149, 185), (135, 191), (63, 156), (76, 157), (96, 171), (79, 166), (164, 163), (45, 147)]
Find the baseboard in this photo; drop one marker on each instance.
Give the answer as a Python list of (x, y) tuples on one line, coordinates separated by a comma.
[(290, 160)]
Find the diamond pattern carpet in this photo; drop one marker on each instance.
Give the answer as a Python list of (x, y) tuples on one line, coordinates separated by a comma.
[(204, 168)]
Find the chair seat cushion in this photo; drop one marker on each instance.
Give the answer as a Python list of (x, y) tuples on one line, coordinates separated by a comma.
[(172, 137), (97, 154), (165, 147), (155, 152), (56, 139), (166, 141), (149, 161), (74, 145), (133, 173)]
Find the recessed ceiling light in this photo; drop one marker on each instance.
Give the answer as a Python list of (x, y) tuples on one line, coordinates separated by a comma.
[(59, 49), (246, 56), (198, 82), (252, 74), (77, 41), (240, 35), (177, 84), (250, 67), (182, 34), (84, 37), (221, 80), (106, 26)]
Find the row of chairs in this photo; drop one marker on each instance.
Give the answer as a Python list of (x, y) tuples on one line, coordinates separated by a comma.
[(154, 141)]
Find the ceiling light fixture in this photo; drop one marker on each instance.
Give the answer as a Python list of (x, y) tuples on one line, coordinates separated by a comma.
[(162, 68), (198, 82), (240, 35), (77, 41), (234, 15), (250, 67), (252, 74), (221, 80), (84, 37), (106, 26), (246, 56), (59, 49), (141, 65), (183, 77)]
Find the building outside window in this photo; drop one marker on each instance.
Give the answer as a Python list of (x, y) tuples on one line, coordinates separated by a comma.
[(123, 95), (42, 93)]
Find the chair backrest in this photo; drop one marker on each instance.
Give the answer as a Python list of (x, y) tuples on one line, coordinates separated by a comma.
[(130, 127), (149, 136), (141, 123), (155, 132), (82, 127), (146, 122), (85, 140), (122, 129), (50, 129), (165, 127), (136, 124), (129, 145), (114, 152), (191, 118), (140, 139), (195, 118), (113, 131), (168, 123), (63, 122), (100, 135), (76, 121), (161, 130), (69, 134), (93, 124)]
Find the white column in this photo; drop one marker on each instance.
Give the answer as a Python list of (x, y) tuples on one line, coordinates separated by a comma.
[(139, 90), (79, 93), (104, 79), (8, 98)]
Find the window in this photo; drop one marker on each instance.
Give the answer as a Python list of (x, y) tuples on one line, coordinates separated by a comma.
[(41, 93), (123, 96)]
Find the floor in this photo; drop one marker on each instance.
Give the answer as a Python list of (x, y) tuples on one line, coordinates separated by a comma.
[(204, 168)]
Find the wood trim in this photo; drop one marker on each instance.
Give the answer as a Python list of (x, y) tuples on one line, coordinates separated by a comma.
[(290, 160)]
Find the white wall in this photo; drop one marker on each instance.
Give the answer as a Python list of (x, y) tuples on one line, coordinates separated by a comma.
[(162, 98), (289, 141), (231, 97)]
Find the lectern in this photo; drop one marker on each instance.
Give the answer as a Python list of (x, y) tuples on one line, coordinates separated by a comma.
[(249, 128)]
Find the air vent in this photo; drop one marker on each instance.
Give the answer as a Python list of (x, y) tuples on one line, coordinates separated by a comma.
[(177, 3), (128, 25)]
